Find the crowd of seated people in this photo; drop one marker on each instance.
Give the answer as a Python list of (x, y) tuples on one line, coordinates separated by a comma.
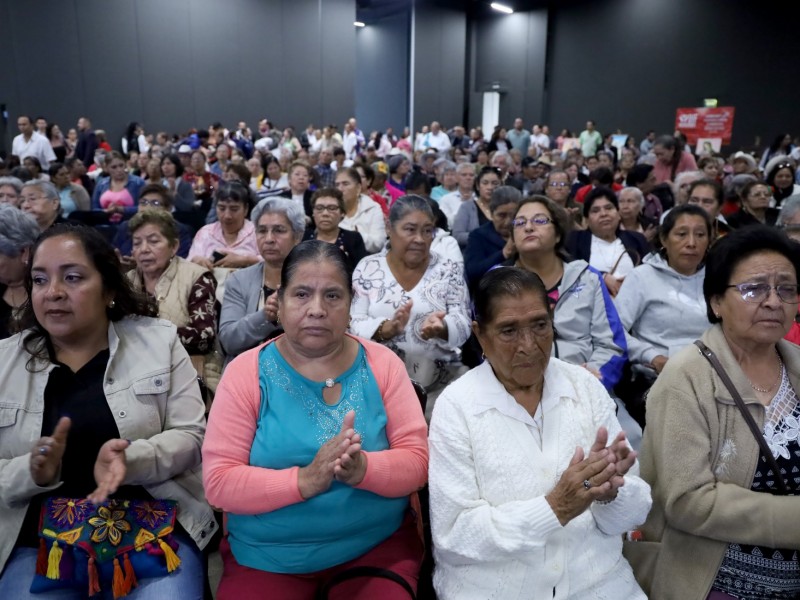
[(288, 327)]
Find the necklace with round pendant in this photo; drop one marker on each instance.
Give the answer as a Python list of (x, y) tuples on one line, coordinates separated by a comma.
[(329, 382)]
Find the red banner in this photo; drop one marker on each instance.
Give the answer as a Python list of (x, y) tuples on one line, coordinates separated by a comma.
[(697, 123)]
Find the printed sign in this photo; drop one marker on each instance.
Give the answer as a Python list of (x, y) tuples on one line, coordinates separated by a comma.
[(712, 123)]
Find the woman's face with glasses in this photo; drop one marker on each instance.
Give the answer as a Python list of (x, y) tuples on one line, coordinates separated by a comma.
[(534, 230), (558, 188), (327, 214), (757, 197)]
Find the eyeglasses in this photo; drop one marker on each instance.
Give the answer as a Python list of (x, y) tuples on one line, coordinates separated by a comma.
[(24, 199), (148, 202), (275, 231), (558, 184), (331, 208), (511, 334), (539, 220), (758, 292), (764, 194)]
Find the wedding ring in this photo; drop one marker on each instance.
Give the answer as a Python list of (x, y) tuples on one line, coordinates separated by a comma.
[(43, 449), (587, 484)]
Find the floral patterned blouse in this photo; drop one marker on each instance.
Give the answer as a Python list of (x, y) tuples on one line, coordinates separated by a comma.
[(377, 295)]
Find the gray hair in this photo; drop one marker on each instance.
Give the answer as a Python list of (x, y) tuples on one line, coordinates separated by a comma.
[(47, 188), (288, 208), (13, 182), (464, 165), (505, 156), (789, 208), (505, 194), (444, 166), (635, 191), (405, 205), (18, 230)]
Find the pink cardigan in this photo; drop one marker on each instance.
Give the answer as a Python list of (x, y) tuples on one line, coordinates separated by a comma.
[(664, 172), (234, 486)]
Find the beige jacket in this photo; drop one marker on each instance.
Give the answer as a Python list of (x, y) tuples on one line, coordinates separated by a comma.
[(699, 457), (151, 388)]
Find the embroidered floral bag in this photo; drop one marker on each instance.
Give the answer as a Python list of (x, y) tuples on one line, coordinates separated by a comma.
[(88, 546)]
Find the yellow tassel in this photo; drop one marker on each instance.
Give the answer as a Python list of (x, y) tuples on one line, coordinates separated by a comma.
[(173, 562), (53, 561)]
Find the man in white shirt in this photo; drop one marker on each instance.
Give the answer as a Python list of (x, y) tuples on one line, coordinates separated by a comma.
[(540, 140), (436, 139), (350, 142), (29, 143)]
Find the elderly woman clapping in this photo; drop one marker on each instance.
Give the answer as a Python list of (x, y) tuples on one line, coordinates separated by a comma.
[(528, 498), (724, 521), (315, 443), (412, 299), (250, 307)]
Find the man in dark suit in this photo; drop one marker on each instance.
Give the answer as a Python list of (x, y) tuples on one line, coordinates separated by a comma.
[(87, 142)]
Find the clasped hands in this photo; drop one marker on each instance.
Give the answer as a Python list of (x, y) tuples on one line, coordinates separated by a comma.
[(604, 470), (339, 458), (109, 468)]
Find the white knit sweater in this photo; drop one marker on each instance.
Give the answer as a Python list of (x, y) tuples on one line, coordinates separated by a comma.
[(494, 534)]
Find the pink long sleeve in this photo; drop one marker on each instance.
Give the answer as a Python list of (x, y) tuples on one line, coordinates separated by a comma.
[(231, 483), (403, 468)]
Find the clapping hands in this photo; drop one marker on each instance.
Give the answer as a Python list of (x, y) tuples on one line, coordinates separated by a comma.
[(340, 458), (434, 326)]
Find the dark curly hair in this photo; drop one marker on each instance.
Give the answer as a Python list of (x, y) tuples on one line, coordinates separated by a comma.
[(127, 301)]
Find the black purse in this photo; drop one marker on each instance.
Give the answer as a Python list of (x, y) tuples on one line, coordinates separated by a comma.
[(762, 443)]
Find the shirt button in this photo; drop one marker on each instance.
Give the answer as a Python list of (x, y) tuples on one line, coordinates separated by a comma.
[(110, 380), (122, 414), (202, 534), (158, 382)]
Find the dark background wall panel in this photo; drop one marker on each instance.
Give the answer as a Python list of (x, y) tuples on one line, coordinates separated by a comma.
[(109, 48), (630, 64), (334, 95), (439, 59), (382, 67), (511, 53), (301, 62), (42, 61), (165, 40)]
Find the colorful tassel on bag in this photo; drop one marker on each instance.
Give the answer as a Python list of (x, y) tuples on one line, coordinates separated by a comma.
[(119, 585), (53, 561), (94, 580), (173, 562), (41, 558), (130, 576)]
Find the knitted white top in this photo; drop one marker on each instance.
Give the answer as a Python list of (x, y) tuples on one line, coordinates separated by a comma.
[(494, 534)]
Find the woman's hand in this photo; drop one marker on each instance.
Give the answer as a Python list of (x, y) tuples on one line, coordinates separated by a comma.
[(109, 469), (317, 477), (47, 453), (613, 284), (398, 322), (204, 262), (271, 308), (571, 497), (622, 456), (434, 326), (351, 466), (509, 249), (658, 363), (231, 260), (650, 233)]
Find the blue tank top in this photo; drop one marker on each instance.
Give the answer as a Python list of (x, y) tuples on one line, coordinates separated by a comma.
[(294, 422)]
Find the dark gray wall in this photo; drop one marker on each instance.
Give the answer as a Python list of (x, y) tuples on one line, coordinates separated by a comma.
[(509, 51), (439, 63), (629, 64), (180, 63), (382, 65)]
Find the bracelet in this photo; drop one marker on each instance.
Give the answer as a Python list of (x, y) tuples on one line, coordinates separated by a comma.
[(605, 501), (379, 332)]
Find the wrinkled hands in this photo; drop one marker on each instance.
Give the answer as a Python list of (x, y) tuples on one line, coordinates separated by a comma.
[(47, 453), (339, 458), (271, 308), (605, 469), (398, 321), (434, 326)]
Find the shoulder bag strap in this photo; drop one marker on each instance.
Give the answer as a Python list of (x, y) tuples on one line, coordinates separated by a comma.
[(762, 443), (364, 571)]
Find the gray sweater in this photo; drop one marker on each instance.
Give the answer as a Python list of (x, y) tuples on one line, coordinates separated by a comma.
[(662, 311)]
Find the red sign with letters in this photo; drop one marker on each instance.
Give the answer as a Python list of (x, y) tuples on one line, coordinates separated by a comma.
[(697, 123)]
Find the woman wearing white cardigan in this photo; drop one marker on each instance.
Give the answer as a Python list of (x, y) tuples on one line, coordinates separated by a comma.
[(532, 483)]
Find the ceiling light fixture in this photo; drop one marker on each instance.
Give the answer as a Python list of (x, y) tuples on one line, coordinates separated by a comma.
[(502, 8), (359, 24)]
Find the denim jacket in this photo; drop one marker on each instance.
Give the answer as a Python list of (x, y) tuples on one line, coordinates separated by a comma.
[(150, 386), (134, 187)]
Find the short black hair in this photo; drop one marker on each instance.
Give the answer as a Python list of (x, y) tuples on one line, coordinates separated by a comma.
[(596, 193), (708, 183), (602, 175), (638, 174), (726, 254), (502, 282)]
